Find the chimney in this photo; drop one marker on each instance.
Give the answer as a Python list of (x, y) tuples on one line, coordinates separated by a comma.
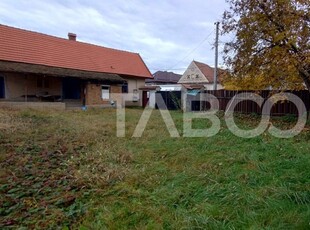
[(72, 36)]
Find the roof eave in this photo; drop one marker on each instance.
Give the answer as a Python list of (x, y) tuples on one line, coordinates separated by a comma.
[(27, 68)]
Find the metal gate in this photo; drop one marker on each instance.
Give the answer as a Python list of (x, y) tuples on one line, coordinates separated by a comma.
[(172, 99)]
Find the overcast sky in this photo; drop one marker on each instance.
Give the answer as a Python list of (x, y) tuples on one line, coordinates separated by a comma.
[(168, 34)]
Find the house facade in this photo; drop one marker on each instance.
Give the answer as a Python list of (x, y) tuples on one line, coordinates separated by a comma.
[(200, 73), (39, 68), (197, 78)]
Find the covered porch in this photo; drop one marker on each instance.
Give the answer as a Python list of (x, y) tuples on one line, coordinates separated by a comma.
[(34, 84)]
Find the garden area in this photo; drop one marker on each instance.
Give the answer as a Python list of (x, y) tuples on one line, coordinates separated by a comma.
[(69, 170)]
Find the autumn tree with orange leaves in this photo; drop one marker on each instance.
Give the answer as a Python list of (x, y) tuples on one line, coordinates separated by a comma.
[(271, 44)]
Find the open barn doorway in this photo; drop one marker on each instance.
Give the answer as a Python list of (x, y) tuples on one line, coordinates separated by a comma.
[(71, 88), (2, 87)]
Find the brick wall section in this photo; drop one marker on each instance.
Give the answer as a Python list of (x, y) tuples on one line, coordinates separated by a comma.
[(93, 94)]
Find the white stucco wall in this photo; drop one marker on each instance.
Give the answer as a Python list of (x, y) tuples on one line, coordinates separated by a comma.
[(135, 83), (193, 75)]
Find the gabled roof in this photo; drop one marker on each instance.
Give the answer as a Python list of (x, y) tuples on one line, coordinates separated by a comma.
[(22, 46), (199, 73), (207, 71), (164, 77)]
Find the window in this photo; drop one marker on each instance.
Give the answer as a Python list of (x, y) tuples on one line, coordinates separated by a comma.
[(105, 92), (125, 87)]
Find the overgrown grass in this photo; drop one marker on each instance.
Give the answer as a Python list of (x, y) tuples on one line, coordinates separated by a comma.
[(69, 170)]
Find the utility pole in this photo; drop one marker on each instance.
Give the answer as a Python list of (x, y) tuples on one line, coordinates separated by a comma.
[(216, 55)]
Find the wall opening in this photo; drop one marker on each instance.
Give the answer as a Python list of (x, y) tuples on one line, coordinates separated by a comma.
[(2, 87), (145, 98), (71, 88), (125, 87)]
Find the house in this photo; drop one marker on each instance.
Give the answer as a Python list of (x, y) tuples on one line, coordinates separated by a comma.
[(197, 78), (163, 78), (39, 68), (200, 73), (163, 82)]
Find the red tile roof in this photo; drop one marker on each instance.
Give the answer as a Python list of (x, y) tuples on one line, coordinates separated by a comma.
[(206, 70), (18, 45)]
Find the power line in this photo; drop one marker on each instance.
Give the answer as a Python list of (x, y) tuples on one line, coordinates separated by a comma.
[(184, 68), (192, 51)]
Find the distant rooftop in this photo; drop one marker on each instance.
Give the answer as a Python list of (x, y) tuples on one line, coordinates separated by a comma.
[(164, 77)]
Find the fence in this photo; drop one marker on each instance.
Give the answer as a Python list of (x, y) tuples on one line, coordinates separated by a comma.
[(172, 99), (246, 106)]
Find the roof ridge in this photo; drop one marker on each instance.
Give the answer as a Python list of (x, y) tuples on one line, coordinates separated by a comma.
[(65, 39), (202, 63)]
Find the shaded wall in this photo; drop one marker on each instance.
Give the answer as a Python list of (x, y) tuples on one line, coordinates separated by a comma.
[(18, 85)]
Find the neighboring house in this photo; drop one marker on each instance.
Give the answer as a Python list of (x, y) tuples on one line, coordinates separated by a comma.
[(197, 78), (200, 73), (163, 82), (164, 78), (36, 67)]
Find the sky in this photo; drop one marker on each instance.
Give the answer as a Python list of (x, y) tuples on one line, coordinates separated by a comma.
[(168, 34)]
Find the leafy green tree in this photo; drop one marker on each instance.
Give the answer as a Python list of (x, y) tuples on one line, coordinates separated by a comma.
[(271, 45)]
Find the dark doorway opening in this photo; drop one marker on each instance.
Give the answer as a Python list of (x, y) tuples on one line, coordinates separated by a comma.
[(71, 88), (2, 88), (145, 98)]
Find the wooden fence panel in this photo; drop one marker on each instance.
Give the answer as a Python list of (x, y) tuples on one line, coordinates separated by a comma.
[(246, 106)]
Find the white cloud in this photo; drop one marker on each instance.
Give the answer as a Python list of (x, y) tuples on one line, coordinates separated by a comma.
[(163, 32)]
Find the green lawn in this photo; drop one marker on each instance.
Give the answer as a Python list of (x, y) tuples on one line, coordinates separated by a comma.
[(68, 170)]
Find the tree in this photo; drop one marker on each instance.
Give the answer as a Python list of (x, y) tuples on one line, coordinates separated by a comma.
[(271, 45)]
